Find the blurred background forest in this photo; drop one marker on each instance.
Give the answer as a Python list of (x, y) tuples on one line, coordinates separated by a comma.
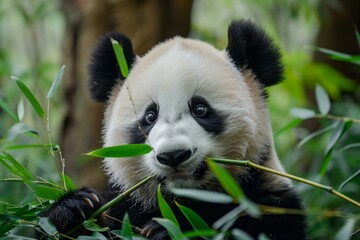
[(37, 37)]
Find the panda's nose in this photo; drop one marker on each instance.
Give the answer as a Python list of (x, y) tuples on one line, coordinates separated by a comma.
[(174, 158)]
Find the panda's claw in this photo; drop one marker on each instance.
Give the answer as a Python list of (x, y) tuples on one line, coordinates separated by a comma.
[(88, 202), (95, 197), (153, 230)]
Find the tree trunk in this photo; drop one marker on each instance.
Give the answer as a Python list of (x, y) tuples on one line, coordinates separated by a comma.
[(145, 22), (337, 33)]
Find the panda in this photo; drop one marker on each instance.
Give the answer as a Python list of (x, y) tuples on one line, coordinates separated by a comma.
[(188, 101)]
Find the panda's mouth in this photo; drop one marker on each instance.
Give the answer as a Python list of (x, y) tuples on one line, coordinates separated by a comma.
[(178, 174)]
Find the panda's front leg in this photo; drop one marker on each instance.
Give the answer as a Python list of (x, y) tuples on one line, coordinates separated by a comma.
[(73, 208)]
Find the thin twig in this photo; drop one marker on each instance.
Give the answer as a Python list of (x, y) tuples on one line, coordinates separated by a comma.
[(250, 164), (333, 117)]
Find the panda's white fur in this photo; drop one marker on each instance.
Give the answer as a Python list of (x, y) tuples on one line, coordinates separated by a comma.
[(169, 75)]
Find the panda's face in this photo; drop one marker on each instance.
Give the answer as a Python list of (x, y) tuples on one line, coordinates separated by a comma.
[(188, 102)]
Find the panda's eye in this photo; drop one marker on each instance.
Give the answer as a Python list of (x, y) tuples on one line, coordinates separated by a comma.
[(150, 117), (200, 110)]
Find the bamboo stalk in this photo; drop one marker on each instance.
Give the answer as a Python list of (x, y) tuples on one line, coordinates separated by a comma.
[(246, 163)]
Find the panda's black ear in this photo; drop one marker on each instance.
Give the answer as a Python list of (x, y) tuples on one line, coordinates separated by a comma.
[(104, 72), (251, 48)]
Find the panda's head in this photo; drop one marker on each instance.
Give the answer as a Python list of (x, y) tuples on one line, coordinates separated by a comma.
[(188, 101)]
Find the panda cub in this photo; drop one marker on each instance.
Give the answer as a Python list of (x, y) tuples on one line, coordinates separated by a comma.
[(189, 101)]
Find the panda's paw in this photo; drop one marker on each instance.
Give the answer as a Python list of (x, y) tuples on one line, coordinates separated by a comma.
[(73, 208), (154, 231)]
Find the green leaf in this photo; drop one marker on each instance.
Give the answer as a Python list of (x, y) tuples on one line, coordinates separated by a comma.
[(92, 226), (47, 226), (20, 128), (87, 238), (352, 145), (126, 230), (231, 216), (339, 129), (98, 236), (240, 235), (173, 230), (21, 171), (69, 183), (46, 192), (56, 82), (322, 100), (55, 147), (302, 113), (315, 134), (349, 179), (195, 220), (120, 57), (354, 59), (345, 231), (203, 195), (21, 110), (8, 110), (263, 236), (121, 151), (28, 94), (165, 209), (357, 34), (226, 181)]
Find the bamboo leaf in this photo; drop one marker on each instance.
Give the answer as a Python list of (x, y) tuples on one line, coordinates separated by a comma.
[(203, 195), (56, 82), (322, 100), (345, 231), (92, 226), (315, 134), (28, 94), (20, 128), (173, 230), (352, 145), (8, 110), (22, 171), (195, 220), (47, 226), (165, 209), (120, 57), (226, 180), (46, 192), (240, 235), (126, 230), (357, 34), (69, 183), (349, 179), (229, 217), (339, 129), (302, 113), (121, 151), (21, 110)]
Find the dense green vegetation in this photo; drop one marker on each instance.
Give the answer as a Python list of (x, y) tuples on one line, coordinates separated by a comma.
[(317, 137)]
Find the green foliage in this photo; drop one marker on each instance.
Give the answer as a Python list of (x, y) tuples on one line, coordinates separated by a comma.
[(128, 150)]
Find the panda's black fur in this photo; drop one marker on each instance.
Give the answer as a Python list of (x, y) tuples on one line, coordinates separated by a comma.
[(252, 59)]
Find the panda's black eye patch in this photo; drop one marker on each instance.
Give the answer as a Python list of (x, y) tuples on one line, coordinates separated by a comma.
[(210, 119), (138, 133)]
